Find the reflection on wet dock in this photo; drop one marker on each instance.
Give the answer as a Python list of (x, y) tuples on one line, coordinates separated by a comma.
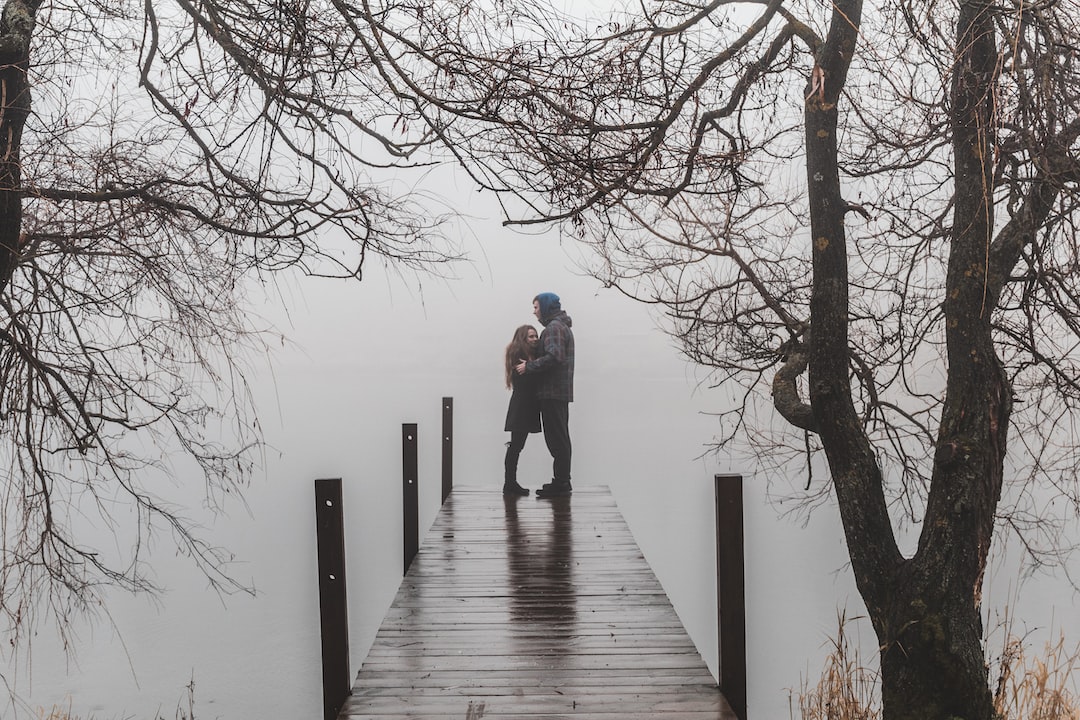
[(528, 608)]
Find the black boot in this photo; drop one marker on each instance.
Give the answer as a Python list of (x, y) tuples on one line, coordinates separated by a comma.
[(511, 487), (555, 489)]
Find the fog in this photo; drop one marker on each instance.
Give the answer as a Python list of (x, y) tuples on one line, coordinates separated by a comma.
[(361, 359)]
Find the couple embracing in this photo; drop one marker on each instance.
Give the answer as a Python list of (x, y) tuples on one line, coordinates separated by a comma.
[(540, 373)]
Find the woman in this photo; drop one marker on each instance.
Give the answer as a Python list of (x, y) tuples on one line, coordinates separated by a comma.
[(523, 415)]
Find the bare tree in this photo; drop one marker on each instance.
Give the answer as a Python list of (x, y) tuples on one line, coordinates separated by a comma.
[(863, 211), (156, 159)]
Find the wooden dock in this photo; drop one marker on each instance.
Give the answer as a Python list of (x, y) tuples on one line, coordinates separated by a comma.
[(523, 608)]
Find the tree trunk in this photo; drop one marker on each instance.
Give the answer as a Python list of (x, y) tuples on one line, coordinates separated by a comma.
[(16, 31), (930, 633), (925, 610), (930, 626)]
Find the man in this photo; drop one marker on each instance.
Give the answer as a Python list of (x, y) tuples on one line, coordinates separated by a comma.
[(555, 388)]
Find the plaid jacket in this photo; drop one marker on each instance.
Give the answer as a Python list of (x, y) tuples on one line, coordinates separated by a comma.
[(556, 362)]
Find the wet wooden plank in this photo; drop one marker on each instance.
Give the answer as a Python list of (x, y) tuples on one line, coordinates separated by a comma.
[(521, 608)]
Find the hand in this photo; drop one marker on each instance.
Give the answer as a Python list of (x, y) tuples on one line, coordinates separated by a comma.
[(520, 368)]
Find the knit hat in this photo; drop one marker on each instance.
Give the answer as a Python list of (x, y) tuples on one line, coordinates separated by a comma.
[(549, 304)]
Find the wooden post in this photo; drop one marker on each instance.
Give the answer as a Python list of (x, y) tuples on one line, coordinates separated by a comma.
[(333, 608), (447, 447), (409, 493), (731, 591)]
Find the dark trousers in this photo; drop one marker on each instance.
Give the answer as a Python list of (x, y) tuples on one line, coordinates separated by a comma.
[(555, 417), (513, 452)]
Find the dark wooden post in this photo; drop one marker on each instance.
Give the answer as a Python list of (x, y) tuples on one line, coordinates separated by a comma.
[(447, 447), (333, 608), (410, 496), (731, 591)]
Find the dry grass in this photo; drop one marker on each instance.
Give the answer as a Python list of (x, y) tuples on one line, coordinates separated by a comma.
[(1037, 688), (1028, 687), (185, 708), (847, 689)]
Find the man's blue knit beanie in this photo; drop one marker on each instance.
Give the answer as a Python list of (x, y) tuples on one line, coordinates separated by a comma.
[(549, 304)]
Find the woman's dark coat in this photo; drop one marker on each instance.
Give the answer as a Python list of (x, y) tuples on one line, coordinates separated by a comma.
[(523, 414)]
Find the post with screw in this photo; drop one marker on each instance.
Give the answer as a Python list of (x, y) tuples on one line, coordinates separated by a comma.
[(731, 591), (333, 608), (409, 493), (447, 447)]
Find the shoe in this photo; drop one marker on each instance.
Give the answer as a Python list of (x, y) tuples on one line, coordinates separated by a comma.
[(552, 490), (514, 489)]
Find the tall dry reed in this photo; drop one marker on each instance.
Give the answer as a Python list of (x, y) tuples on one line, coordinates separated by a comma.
[(847, 689), (1037, 687), (1027, 686)]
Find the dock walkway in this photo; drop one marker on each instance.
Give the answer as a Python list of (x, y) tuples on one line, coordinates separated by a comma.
[(526, 608)]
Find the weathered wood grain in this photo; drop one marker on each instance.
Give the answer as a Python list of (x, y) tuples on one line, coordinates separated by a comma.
[(522, 608)]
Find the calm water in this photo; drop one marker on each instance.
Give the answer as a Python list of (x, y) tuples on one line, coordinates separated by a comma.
[(373, 357)]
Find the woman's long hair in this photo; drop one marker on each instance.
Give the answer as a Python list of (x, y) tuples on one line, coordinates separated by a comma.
[(518, 350)]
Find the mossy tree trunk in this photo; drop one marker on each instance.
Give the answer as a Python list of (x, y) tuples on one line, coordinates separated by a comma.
[(925, 609)]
